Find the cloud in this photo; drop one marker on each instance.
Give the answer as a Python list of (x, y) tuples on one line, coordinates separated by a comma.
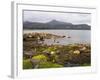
[(40, 16)]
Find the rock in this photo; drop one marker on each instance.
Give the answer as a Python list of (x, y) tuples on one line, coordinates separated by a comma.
[(52, 52), (83, 48), (76, 52), (29, 53)]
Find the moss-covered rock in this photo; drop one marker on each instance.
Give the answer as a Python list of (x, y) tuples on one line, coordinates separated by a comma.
[(49, 65), (27, 64), (40, 57)]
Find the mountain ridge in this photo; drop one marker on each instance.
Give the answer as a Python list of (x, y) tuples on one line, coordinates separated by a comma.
[(55, 24)]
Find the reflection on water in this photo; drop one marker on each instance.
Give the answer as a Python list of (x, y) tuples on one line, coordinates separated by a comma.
[(72, 36)]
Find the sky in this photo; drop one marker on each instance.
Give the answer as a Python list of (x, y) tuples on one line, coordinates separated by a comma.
[(43, 17)]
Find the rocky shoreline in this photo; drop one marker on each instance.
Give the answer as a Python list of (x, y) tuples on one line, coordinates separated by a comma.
[(36, 54)]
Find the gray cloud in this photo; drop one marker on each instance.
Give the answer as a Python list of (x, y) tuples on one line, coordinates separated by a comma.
[(39, 16)]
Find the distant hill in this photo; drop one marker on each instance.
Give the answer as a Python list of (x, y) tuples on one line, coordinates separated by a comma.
[(54, 24)]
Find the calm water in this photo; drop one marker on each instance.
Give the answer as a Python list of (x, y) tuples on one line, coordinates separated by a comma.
[(72, 36)]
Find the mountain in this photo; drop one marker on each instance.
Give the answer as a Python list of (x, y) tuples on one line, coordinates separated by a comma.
[(54, 24)]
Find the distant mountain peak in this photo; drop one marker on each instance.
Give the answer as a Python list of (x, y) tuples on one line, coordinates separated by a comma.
[(56, 22)]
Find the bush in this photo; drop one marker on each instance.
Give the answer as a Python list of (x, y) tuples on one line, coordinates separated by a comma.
[(27, 64)]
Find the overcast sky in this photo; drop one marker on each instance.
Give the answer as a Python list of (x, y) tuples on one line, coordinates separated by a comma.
[(40, 16)]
